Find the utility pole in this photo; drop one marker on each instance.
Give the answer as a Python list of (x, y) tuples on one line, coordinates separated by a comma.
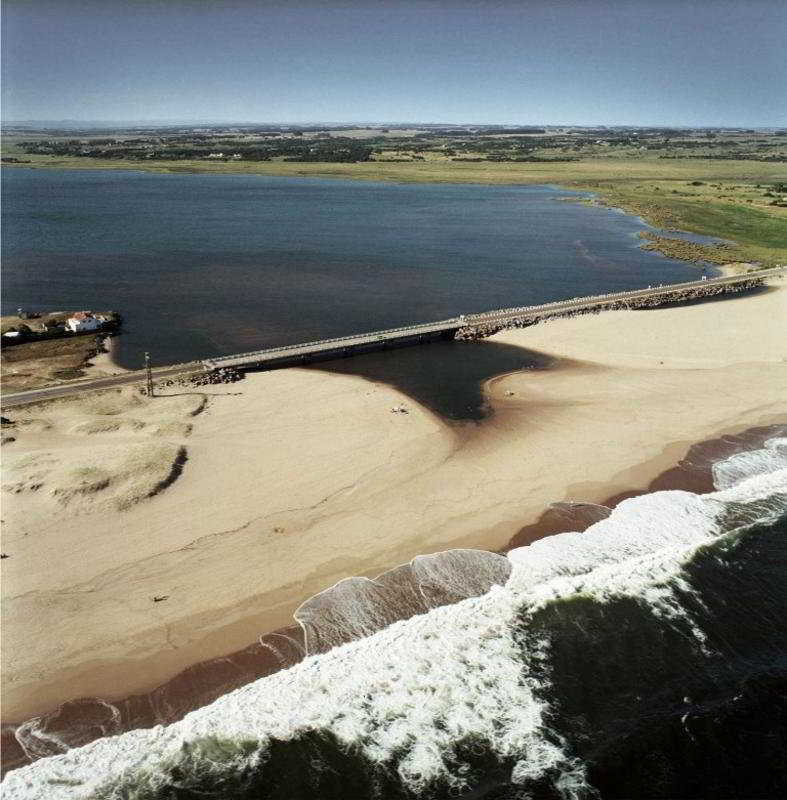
[(149, 375)]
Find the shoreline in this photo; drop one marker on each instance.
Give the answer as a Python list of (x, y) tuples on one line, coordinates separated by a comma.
[(202, 682), (305, 457)]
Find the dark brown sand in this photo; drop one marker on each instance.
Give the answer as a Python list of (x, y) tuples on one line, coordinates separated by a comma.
[(692, 473)]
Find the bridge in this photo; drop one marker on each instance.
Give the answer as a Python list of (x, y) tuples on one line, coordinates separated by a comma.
[(470, 326), (473, 326)]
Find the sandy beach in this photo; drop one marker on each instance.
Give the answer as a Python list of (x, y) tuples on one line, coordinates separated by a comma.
[(236, 503)]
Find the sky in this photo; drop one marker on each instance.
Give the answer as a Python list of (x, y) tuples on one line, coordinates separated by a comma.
[(528, 62)]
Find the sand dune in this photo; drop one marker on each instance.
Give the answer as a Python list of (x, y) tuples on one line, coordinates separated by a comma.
[(101, 453), (295, 479)]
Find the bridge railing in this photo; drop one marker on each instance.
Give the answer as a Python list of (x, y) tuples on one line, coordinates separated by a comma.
[(424, 327)]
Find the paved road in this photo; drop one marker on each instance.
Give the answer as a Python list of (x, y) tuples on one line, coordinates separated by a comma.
[(89, 384)]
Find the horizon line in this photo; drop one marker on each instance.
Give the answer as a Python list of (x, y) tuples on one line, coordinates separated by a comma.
[(373, 123)]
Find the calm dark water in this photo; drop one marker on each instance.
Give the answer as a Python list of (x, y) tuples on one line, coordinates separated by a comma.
[(204, 265)]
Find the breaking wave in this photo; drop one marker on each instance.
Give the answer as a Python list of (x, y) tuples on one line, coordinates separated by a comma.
[(645, 656)]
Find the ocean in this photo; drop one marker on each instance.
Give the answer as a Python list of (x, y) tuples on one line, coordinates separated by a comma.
[(208, 265), (642, 653)]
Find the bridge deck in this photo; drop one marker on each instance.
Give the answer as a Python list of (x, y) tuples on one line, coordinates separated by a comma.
[(341, 344), (329, 345)]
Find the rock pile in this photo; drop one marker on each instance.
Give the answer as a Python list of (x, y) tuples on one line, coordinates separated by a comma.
[(681, 295), (225, 375)]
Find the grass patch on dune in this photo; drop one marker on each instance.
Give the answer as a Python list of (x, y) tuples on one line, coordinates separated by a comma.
[(146, 472), (174, 429), (33, 460), (118, 482), (106, 460), (28, 473), (98, 426), (110, 405), (198, 405), (83, 481)]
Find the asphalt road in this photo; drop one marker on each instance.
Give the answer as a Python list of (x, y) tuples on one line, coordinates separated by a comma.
[(90, 384)]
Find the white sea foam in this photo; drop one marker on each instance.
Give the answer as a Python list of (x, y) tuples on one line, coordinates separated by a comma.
[(357, 607), (39, 739), (739, 467), (651, 536), (458, 664)]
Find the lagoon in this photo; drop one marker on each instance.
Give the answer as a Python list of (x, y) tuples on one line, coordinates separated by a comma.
[(206, 265)]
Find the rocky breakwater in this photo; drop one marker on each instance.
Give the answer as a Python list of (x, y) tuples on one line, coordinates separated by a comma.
[(532, 316)]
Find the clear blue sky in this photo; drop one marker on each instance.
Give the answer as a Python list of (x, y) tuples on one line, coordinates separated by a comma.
[(640, 62)]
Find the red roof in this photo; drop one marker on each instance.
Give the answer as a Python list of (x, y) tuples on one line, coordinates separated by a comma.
[(82, 315)]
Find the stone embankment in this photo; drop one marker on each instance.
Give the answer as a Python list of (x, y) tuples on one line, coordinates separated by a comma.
[(489, 327), (219, 376), (224, 375)]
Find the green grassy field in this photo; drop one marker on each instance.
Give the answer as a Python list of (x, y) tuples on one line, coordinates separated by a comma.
[(713, 197), (732, 209)]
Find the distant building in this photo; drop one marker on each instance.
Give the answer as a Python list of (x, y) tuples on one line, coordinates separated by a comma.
[(83, 321)]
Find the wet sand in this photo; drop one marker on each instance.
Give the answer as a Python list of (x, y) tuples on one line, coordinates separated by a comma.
[(298, 478)]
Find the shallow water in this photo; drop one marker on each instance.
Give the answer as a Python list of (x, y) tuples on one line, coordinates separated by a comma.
[(205, 265), (446, 377)]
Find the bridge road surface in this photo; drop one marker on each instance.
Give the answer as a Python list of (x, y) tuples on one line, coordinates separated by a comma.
[(306, 349), (338, 344)]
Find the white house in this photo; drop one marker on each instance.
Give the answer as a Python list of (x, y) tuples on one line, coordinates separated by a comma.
[(82, 321)]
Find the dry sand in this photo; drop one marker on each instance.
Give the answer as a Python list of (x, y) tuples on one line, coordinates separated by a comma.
[(294, 479)]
